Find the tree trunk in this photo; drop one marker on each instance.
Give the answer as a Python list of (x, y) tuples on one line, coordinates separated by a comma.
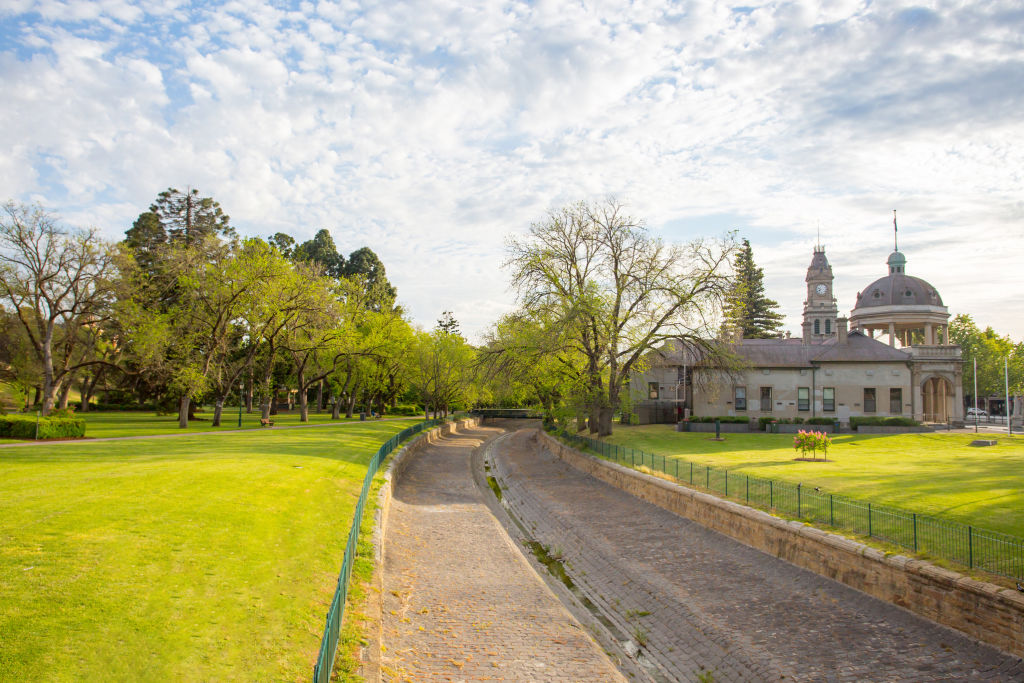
[(595, 418), (605, 421), (183, 410), (350, 406), (62, 395), (319, 396), (336, 408), (303, 399), (218, 408)]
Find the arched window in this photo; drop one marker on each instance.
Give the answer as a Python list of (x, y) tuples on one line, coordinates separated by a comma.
[(828, 327), (817, 327)]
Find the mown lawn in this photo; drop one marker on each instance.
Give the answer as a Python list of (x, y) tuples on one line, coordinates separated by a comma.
[(935, 473), (207, 557)]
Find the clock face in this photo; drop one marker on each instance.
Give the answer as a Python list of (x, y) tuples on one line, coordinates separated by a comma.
[(821, 289)]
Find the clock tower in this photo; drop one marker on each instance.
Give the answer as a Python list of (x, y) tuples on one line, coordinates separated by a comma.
[(820, 309)]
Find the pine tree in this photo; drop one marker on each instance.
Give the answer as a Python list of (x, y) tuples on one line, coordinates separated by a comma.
[(746, 305)]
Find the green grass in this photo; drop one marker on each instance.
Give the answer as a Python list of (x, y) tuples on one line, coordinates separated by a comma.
[(935, 473), (201, 558)]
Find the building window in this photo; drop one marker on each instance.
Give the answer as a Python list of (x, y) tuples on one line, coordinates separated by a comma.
[(869, 400), (766, 399), (817, 326), (896, 401), (652, 390), (828, 327), (828, 399), (803, 398), (740, 396)]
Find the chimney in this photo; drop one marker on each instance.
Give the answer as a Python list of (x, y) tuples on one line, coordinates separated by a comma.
[(807, 332), (841, 329)]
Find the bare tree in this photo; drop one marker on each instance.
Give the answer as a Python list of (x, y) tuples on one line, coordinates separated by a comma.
[(617, 293), (57, 281)]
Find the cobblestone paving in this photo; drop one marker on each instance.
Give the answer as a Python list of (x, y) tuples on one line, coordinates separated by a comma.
[(460, 601), (699, 602)]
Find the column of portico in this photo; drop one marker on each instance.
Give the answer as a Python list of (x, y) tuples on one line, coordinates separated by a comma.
[(929, 334), (892, 335)]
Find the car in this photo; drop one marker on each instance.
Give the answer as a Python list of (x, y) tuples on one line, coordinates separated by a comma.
[(976, 412)]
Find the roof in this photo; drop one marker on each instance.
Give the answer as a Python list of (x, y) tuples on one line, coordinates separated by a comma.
[(898, 289), (793, 353)]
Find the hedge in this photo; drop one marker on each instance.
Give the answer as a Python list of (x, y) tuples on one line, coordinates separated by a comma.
[(24, 427), (724, 419), (784, 420), (883, 422), (821, 420)]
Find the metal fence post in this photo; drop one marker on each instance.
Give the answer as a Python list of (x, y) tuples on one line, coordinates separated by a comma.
[(748, 488), (691, 473), (970, 547), (707, 477), (831, 512), (798, 486), (914, 515), (727, 483), (870, 534), (771, 494)]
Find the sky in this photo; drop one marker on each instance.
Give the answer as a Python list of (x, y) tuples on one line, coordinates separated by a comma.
[(431, 131)]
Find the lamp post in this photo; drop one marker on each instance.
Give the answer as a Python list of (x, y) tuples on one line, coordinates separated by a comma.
[(975, 395), (1006, 388), (241, 400)]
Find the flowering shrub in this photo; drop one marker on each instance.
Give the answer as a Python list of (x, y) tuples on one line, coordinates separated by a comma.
[(811, 441)]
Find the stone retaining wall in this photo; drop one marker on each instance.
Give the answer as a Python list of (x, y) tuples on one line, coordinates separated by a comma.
[(884, 429), (982, 610), (369, 668)]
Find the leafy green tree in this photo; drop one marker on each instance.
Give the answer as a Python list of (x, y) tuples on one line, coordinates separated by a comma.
[(746, 304), (617, 293), (364, 265), (992, 352), (322, 251)]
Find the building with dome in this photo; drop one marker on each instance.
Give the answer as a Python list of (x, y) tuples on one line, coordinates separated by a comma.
[(891, 358)]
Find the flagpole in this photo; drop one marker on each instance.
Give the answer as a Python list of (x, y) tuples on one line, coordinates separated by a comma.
[(895, 231)]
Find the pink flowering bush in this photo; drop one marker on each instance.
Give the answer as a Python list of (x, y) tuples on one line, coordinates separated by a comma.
[(811, 441)]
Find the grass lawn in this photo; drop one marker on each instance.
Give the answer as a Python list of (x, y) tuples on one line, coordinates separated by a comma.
[(934, 473), (207, 557)]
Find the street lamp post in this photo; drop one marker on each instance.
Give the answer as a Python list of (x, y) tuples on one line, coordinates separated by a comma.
[(241, 400)]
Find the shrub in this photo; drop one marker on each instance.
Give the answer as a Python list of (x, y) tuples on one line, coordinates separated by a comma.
[(874, 421), (811, 441), (24, 427), (821, 420), (762, 421), (724, 419)]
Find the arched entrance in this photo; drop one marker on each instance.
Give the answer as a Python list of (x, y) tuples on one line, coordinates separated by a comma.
[(937, 394)]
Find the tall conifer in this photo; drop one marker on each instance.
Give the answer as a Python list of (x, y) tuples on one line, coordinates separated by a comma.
[(747, 306)]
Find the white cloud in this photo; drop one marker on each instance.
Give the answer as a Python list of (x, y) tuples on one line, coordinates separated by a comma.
[(430, 130)]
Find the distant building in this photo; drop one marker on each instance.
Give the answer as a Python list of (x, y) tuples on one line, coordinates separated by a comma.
[(832, 371)]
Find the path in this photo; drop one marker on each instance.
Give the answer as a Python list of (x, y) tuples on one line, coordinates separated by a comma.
[(460, 600), (701, 602)]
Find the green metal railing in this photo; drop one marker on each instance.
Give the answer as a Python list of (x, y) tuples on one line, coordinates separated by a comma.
[(329, 644), (990, 551)]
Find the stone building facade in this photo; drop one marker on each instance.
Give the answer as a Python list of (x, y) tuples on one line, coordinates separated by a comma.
[(892, 357)]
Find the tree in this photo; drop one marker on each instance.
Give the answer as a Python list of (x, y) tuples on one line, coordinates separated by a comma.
[(616, 293), (57, 282), (746, 304), (367, 267), (448, 324), (187, 217), (321, 250), (991, 351)]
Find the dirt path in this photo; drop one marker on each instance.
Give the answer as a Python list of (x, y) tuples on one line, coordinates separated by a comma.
[(460, 600)]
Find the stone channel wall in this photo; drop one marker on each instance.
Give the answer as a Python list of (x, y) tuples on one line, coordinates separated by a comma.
[(369, 667), (990, 613)]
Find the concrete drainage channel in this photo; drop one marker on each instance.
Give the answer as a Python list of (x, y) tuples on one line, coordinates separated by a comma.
[(624, 648)]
